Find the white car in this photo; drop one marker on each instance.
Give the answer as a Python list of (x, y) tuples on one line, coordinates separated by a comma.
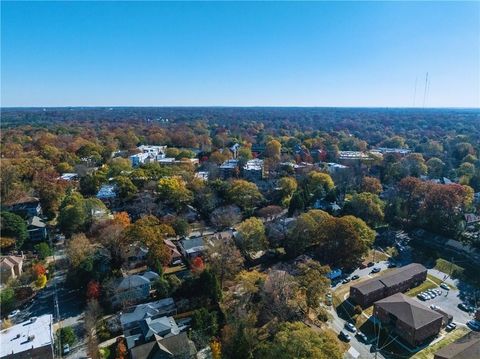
[(434, 307), (13, 314)]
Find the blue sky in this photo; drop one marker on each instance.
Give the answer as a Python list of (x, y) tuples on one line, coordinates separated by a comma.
[(239, 54)]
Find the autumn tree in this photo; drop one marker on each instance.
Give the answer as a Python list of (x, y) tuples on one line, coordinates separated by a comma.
[(435, 167), (226, 216), (78, 248), (174, 191), (151, 232), (371, 185), (93, 290), (313, 281), (287, 186), (273, 150), (245, 194), (297, 340), (224, 259), (319, 184)]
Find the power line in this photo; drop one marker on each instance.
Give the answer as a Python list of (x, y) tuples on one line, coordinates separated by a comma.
[(415, 91)]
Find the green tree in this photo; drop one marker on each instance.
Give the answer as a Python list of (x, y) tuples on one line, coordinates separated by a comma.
[(435, 167), (67, 336), (252, 236), (72, 216), (313, 281), (7, 300), (43, 250), (125, 187), (297, 203), (14, 226), (367, 206)]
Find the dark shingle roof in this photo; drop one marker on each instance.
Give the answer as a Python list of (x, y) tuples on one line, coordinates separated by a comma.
[(466, 347), (408, 310), (392, 278)]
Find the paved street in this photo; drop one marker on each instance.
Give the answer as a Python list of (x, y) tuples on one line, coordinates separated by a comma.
[(70, 305)]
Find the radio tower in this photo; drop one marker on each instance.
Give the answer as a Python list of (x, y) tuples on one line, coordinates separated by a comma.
[(425, 91)]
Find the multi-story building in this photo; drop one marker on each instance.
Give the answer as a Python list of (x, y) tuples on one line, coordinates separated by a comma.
[(398, 280), (30, 339), (408, 318)]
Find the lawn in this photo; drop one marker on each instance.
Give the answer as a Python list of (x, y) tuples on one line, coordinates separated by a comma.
[(452, 269), (429, 351), (422, 287), (375, 256), (438, 281)]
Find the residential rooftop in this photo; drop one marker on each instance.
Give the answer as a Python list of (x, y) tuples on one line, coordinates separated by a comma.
[(31, 334)]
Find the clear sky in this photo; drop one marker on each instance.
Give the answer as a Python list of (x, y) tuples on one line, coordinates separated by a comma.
[(239, 54)]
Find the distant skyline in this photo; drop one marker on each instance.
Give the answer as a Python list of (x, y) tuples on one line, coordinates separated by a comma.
[(325, 54)]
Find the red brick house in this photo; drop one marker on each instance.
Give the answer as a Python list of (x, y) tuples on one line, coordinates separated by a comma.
[(407, 318)]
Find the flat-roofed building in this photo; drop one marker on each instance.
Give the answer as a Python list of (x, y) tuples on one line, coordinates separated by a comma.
[(408, 318), (398, 280), (30, 339)]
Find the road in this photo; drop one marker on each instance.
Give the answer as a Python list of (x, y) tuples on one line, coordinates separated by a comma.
[(70, 306)]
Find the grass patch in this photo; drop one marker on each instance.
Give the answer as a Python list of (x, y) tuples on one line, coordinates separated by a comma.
[(428, 352), (438, 281), (375, 256), (421, 288), (454, 270)]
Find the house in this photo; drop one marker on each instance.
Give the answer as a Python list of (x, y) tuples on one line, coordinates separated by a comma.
[(133, 289), (192, 247), (466, 347), (335, 167), (69, 177), (163, 326), (398, 280), (175, 254), (107, 192), (229, 169), (132, 316), (26, 206), (30, 339), (398, 151), (408, 318), (148, 154), (174, 347), (37, 229), (10, 267), (253, 170), (135, 255)]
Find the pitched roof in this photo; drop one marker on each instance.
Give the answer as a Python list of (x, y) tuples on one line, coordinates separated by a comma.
[(177, 346), (11, 261), (466, 347), (132, 281), (392, 278), (36, 222), (163, 326), (407, 310), (146, 310)]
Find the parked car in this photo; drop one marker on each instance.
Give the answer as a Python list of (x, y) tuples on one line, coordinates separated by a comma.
[(438, 291), (444, 286), (363, 266), (474, 325), (13, 314), (422, 296), (434, 307), (345, 336), (350, 327), (355, 277), (370, 264), (392, 265), (346, 280), (463, 307), (450, 327), (66, 349), (362, 337), (376, 270)]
